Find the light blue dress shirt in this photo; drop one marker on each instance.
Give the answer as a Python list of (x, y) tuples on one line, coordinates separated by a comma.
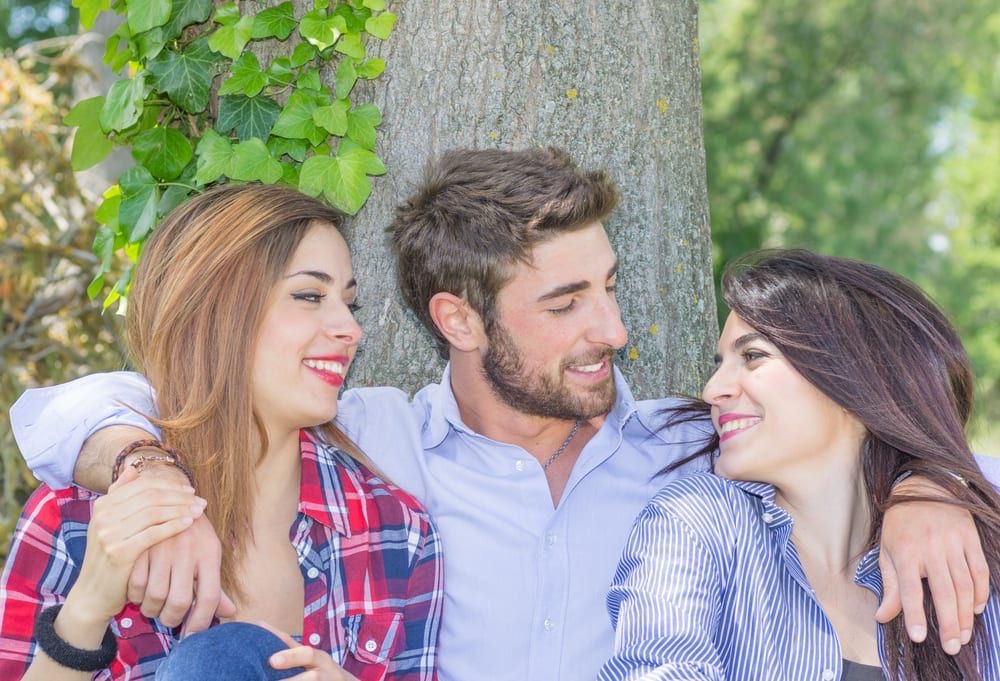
[(710, 587), (524, 582)]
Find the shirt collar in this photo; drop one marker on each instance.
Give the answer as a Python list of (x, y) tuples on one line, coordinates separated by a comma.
[(332, 488), (443, 415)]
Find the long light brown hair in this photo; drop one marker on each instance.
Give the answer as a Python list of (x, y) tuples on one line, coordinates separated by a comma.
[(200, 292)]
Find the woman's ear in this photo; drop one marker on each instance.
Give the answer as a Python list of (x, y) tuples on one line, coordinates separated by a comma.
[(457, 321)]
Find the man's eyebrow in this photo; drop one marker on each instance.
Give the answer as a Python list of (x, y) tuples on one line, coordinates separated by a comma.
[(573, 287)]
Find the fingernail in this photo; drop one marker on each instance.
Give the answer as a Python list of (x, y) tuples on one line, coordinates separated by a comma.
[(187, 520), (277, 659), (979, 608), (966, 636), (952, 646), (187, 488), (918, 633)]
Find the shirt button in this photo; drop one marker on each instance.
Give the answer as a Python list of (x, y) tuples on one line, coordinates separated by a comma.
[(519, 465), (314, 639), (126, 622), (313, 573), (550, 539), (770, 518), (829, 675), (371, 645), (548, 624)]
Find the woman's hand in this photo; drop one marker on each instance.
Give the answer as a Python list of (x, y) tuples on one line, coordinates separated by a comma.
[(136, 514), (319, 666)]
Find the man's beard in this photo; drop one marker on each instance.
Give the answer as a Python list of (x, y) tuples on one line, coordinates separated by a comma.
[(541, 395)]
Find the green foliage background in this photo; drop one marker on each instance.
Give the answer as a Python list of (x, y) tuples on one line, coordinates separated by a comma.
[(865, 128)]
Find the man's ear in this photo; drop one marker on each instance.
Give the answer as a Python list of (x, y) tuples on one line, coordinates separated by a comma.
[(457, 321)]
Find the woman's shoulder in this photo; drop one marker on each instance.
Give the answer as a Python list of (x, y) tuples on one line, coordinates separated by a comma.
[(707, 505), (391, 501)]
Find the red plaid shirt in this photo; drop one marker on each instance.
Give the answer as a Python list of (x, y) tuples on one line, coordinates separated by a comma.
[(369, 556)]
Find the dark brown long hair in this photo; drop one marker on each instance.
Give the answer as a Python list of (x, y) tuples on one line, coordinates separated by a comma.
[(872, 342)]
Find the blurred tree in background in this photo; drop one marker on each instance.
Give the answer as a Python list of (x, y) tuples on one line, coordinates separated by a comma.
[(867, 129), (50, 331)]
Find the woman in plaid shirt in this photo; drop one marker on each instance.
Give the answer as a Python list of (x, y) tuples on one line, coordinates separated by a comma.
[(241, 316)]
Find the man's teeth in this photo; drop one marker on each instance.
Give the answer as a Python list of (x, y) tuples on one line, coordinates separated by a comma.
[(588, 368), (324, 365), (738, 424)]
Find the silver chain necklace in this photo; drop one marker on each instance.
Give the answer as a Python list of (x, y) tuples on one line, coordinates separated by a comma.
[(562, 448)]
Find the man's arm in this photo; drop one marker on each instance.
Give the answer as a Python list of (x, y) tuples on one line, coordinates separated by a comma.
[(940, 543), (74, 432)]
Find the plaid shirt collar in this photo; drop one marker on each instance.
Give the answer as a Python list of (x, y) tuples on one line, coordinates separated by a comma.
[(339, 505)]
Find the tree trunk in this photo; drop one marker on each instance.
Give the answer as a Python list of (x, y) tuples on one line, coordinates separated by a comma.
[(615, 84)]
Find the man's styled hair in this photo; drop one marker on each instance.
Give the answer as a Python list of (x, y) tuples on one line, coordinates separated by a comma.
[(480, 212)]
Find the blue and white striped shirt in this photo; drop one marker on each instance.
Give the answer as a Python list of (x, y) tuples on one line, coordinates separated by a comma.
[(710, 586)]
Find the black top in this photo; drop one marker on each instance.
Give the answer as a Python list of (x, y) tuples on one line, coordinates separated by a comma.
[(861, 672)]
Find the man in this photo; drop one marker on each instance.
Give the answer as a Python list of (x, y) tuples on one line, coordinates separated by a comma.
[(531, 454)]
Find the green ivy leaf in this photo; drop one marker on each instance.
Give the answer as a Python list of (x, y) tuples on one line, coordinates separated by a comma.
[(277, 22), (90, 145), (294, 148), (176, 193), (137, 212), (146, 14), (280, 71), (345, 79), (185, 13), (381, 26), (249, 116), (229, 40), (151, 42), (342, 179), (296, 119), (227, 14), (247, 78), (162, 151), (119, 48), (309, 80), (124, 103), (302, 54), (361, 124), (290, 174), (251, 161), (321, 30), (332, 118), (371, 69), (370, 162), (186, 77), (214, 154), (354, 19), (350, 44), (89, 9), (374, 5)]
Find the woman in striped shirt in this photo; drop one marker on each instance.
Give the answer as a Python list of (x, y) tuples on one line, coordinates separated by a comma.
[(833, 379)]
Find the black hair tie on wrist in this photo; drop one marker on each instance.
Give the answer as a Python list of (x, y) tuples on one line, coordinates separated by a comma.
[(71, 657)]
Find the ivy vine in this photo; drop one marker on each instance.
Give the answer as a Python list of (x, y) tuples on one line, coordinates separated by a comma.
[(273, 123)]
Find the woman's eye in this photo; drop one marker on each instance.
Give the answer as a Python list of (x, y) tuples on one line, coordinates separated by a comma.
[(354, 307), (753, 355), (309, 297)]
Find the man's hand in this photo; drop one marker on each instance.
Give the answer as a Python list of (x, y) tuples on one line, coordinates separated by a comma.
[(937, 542), (182, 573)]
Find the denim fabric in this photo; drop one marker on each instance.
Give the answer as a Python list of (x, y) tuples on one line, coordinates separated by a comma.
[(234, 651)]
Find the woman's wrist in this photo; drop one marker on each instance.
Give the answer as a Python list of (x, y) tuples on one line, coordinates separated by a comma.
[(81, 624)]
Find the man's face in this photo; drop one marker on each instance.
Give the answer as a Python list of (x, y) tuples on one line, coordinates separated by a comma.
[(557, 328)]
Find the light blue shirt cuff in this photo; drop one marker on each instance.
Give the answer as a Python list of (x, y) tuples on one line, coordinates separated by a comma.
[(51, 424)]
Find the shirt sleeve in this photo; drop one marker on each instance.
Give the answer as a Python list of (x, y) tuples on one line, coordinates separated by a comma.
[(51, 424), (665, 603), (37, 575), (422, 610)]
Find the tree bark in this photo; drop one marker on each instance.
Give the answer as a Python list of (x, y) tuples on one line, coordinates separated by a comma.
[(615, 84)]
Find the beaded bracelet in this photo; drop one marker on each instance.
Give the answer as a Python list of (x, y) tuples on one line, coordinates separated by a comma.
[(167, 455), (69, 656)]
